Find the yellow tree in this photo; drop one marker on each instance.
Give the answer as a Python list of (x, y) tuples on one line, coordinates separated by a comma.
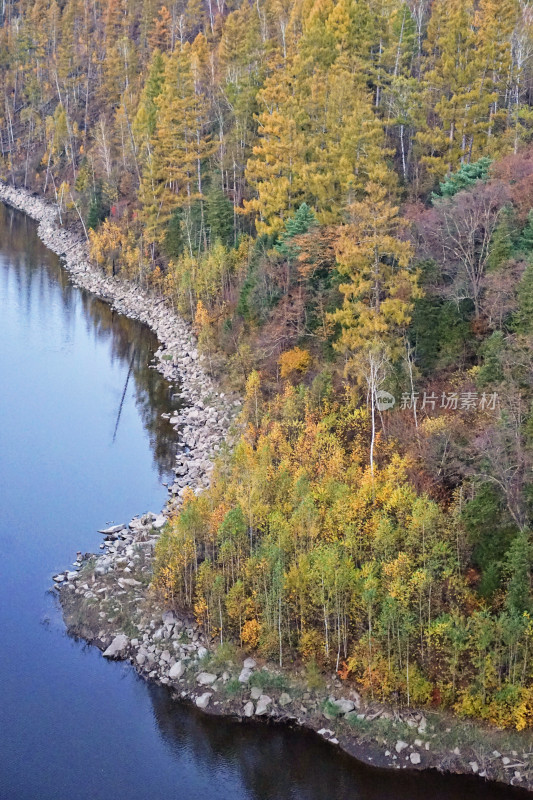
[(172, 176), (450, 77), (378, 291), (275, 168)]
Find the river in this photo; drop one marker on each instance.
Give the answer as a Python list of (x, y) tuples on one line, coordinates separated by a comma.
[(83, 445)]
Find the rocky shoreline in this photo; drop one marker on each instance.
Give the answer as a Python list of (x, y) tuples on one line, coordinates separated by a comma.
[(207, 415), (107, 600)]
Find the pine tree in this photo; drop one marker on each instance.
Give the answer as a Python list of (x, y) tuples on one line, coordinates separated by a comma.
[(518, 566), (303, 220), (502, 241), (523, 319), (172, 176), (380, 288), (526, 237), (219, 216), (275, 169)]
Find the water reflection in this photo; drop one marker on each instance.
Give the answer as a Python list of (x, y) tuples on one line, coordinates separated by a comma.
[(273, 762), (38, 274)]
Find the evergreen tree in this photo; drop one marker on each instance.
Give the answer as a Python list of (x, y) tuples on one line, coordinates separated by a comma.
[(219, 216), (503, 239), (523, 319), (465, 177), (526, 237), (518, 568)]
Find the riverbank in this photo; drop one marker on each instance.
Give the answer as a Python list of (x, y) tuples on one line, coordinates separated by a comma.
[(109, 598), (108, 603)]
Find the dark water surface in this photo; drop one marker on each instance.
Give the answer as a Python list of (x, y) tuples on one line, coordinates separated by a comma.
[(71, 724)]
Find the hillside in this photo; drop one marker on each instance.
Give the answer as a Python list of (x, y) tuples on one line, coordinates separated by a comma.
[(339, 196)]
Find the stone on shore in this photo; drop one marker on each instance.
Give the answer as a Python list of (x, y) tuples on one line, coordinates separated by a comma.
[(245, 675), (343, 706), (118, 647), (113, 529), (203, 700), (205, 678), (176, 671), (262, 705)]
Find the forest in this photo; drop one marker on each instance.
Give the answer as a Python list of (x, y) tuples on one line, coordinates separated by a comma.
[(338, 194)]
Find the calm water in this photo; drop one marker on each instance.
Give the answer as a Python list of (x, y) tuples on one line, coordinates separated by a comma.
[(73, 725)]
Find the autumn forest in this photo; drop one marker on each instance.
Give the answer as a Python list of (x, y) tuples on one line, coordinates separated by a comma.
[(338, 195)]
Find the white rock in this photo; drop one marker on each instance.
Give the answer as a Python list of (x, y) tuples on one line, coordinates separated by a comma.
[(285, 699), (205, 678), (344, 706), (415, 758), (118, 647), (203, 700), (113, 529), (176, 671), (245, 675), (256, 693), (474, 766), (249, 663), (401, 746), (249, 709), (262, 705)]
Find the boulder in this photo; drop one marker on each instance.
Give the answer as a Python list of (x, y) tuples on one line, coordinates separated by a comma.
[(344, 706), (249, 709), (205, 678), (245, 675), (112, 530), (118, 647), (414, 758), (203, 700), (169, 618), (256, 693), (249, 663), (285, 699), (401, 746), (262, 705)]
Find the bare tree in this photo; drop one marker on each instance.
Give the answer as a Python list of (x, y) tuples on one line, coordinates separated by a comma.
[(457, 234)]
